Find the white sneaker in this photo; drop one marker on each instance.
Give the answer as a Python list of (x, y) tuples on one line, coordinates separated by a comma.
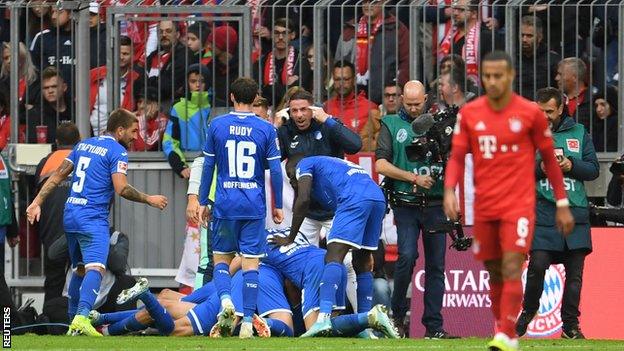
[(246, 330)]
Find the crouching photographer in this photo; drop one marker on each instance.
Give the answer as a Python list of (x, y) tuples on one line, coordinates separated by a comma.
[(417, 204)]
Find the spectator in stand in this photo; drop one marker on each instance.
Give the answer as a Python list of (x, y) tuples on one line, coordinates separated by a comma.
[(29, 88), (537, 66), (188, 121), (54, 107), (50, 226), (605, 124), (469, 37), (196, 35), (152, 121), (307, 72), (278, 68), (572, 80), (452, 85), (224, 69), (38, 18), (378, 45), (354, 110), (54, 46), (392, 102), (615, 191), (260, 107), (130, 79), (5, 121), (166, 67), (97, 36)]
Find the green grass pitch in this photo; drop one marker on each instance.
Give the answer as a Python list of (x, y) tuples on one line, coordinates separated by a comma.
[(35, 342)]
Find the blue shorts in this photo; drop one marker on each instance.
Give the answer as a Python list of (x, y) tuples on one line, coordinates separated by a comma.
[(88, 248), (358, 224), (204, 315), (245, 236), (311, 292), (271, 297), (202, 294)]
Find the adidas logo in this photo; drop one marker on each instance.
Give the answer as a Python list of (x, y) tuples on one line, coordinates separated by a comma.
[(67, 42), (480, 126)]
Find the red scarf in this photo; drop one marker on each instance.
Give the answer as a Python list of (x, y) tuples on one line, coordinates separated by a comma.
[(470, 51), (363, 41), (287, 70), (21, 89), (159, 61)]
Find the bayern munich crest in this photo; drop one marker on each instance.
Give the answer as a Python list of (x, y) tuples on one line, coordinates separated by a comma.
[(548, 319)]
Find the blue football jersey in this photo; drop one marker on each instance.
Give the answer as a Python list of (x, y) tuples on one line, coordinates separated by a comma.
[(241, 144), (291, 260), (95, 161), (336, 181)]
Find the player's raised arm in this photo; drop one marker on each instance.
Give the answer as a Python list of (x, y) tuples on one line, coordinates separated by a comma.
[(542, 139), (128, 192), (62, 172)]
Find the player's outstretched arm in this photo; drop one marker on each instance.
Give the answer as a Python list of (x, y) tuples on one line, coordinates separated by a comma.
[(128, 192), (62, 172)]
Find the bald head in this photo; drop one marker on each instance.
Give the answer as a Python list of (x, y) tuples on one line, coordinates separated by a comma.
[(414, 98)]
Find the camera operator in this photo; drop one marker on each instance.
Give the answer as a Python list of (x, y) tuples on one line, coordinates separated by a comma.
[(418, 207), (577, 159)]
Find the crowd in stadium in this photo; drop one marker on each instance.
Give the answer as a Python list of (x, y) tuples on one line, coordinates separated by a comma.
[(176, 75)]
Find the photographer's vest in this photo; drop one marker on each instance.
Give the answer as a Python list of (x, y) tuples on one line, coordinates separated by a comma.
[(6, 203), (571, 141), (402, 136)]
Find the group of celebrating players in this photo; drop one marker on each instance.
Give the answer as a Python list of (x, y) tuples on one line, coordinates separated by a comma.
[(259, 274)]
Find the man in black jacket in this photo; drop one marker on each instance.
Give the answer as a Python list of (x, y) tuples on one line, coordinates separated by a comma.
[(313, 132), (537, 66), (165, 67)]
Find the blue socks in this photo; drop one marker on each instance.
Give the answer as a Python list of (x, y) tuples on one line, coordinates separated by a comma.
[(364, 292), (350, 324), (125, 326), (89, 290), (279, 328), (332, 275), (250, 293), (112, 317), (162, 320), (222, 280), (74, 295)]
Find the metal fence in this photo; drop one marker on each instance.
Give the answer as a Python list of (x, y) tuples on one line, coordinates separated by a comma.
[(148, 55)]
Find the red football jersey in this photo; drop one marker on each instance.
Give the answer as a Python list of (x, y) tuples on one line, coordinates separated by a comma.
[(503, 144)]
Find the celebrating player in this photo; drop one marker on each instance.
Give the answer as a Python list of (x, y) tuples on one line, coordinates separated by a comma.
[(99, 165), (360, 206), (239, 145), (503, 130)]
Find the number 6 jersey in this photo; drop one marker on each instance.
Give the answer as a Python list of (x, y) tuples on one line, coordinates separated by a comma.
[(95, 160), (241, 145)]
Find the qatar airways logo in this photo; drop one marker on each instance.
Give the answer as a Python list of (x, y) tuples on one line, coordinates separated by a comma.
[(463, 288)]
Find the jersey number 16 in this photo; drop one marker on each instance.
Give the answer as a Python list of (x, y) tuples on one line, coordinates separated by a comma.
[(241, 163)]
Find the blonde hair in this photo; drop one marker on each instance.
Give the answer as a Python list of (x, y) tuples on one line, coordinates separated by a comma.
[(26, 69)]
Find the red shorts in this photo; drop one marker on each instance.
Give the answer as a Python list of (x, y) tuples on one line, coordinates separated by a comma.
[(511, 234)]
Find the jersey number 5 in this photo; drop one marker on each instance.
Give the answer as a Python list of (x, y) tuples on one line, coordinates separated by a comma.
[(241, 163), (81, 167)]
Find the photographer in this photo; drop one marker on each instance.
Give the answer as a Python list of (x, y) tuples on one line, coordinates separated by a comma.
[(417, 207), (577, 159)]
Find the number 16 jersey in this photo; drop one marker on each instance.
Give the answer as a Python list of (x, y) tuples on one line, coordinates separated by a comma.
[(95, 161), (242, 144)]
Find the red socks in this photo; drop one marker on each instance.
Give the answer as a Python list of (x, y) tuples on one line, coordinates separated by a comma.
[(496, 290), (510, 305)]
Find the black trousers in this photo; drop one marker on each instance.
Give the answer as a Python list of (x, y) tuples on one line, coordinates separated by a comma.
[(55, 272), (573, 261)]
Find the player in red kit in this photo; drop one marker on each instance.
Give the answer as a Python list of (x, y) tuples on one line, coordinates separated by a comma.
[(503, 130)]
